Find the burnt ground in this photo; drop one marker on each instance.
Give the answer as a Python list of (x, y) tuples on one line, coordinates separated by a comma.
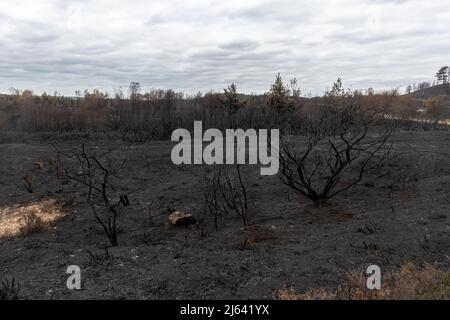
[(400, 214)]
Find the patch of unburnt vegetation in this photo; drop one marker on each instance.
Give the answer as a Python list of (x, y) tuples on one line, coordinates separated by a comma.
[(32, 223), (29, 218), (409, 283)]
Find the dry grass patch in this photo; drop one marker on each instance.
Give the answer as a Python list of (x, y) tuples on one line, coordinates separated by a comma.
[(410, 283), (32, 222), (28, 218)]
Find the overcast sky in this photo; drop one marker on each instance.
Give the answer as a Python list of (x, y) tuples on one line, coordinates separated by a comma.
[(191, 45)]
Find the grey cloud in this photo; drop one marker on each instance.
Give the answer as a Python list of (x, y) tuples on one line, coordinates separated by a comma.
[(240, 45), (156, 19), (203, 45)]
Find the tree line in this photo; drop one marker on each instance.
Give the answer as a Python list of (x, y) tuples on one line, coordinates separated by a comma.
[(141, 116)]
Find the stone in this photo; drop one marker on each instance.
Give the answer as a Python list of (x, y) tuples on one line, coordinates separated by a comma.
[(179, 218)]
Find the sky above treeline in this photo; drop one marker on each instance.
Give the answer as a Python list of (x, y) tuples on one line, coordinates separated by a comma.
[(191, 46)]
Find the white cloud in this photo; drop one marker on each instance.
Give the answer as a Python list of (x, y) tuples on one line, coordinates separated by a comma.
[(200, 45)]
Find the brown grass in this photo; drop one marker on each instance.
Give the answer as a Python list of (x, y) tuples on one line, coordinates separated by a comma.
[(29, 218), (32, 223), (410, 283)]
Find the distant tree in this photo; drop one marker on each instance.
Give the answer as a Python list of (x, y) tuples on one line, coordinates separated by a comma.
[(408, 89), (281, 102), (295, 89), (337, 89), (209, 104), (278, 98), (45, 97), (27, 93), (442, 75), (167, 113), (405, 107), (424, 85), (437, 107), (14, 91), (135, 90), (232, 104)]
